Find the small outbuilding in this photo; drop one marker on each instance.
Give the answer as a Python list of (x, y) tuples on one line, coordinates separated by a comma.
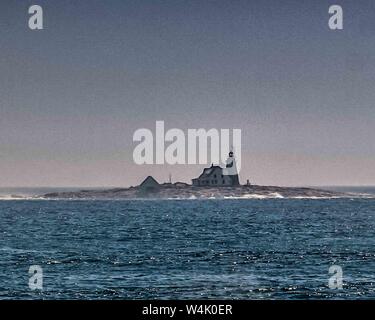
[(149, 185)]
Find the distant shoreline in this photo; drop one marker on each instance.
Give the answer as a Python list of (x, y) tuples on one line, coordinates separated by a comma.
[(180, 191), (187, 192)]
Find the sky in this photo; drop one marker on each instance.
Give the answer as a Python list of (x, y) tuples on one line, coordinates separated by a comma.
[(73, 94)]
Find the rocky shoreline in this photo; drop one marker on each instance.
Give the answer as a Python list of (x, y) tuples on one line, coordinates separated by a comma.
[(182, 191)]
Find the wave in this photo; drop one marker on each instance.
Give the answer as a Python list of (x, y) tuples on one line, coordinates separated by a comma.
[(248, 196), (15, 197)]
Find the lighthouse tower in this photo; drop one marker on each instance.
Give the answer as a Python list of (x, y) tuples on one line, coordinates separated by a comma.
[(231, 169)]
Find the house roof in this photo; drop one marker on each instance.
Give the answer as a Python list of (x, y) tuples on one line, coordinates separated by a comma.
[(208, 171), (149, 180)]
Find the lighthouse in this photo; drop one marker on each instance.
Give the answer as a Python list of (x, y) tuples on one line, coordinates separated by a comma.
[(216, 176), (231, 169)]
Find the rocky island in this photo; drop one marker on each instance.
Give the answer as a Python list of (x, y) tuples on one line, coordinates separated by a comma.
[(149, 190), (213, 183)]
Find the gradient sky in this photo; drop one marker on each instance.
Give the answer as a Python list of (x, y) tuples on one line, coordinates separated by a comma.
[(72, 95)]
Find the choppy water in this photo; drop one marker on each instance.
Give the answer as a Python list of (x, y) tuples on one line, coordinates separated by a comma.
[(227, 249)]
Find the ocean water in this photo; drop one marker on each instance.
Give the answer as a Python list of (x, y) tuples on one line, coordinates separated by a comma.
[(188, 249)]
